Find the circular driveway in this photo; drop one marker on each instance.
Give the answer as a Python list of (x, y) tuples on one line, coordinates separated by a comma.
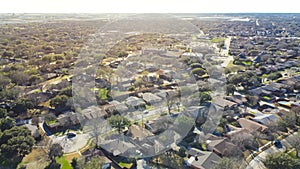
[(71, 144)]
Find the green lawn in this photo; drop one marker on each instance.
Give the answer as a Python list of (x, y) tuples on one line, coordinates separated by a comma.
[(102, 92), (64, 163), (217, 40), (51, 122), (127, 165), (148, 107), (247, 63), (267, 97), (293, 154)]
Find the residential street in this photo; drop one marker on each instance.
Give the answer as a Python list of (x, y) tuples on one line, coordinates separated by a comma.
[(257, 162)]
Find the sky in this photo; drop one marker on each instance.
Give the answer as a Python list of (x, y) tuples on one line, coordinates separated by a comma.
[(149, 6)]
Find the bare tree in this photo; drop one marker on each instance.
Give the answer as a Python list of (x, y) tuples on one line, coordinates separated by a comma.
[(96, 126), (170, 100), (245, 141)]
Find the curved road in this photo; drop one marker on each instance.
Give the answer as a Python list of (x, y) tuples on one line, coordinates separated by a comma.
[(257, 162)]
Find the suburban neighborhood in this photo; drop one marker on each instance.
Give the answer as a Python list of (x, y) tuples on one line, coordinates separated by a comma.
[(227, 96)]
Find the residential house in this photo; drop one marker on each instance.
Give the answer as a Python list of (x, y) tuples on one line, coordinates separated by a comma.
[(239, 99), (65, 120), (135, 103), (117, 146), (202, 159), (222, 147), (260, 92), (159, 125), (50, 76), (151, 99), (137, 132), (93, 112), (34, 130), (235, 131), (251, 126), (200, 136), (68, 119), (115, 107), (265, 119), (223, 103)]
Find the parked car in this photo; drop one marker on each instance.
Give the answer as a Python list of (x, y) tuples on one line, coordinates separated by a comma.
[(71, 135), (278, 144)]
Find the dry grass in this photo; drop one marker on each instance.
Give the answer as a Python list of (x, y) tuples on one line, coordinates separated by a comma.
[(69, 157), (37, 159), (234, 68)]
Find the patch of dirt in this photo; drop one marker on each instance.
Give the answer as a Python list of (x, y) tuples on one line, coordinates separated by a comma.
[(37, 159)]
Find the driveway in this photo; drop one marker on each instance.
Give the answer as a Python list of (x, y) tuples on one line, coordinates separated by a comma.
[(71, 144)]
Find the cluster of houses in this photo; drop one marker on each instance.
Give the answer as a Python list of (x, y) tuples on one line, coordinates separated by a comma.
[(150, 105), (246, 122)]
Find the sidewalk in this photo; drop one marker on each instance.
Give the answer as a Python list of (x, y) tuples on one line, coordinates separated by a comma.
[(257, 162)]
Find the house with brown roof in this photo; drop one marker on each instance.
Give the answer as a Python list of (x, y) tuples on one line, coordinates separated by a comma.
[(222, 147), (234, 131), (251, 126)]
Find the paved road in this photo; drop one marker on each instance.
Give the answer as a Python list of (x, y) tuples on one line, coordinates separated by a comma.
[(257, 162), (225, 52)]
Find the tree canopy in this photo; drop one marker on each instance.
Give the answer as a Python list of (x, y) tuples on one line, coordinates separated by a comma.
[(119, 122), (59, 101), (94, 162), (16, 142), (226, 163), (55, 151), (22, 105), (281, 161), (230, 89), (3, 113), (7, 123)]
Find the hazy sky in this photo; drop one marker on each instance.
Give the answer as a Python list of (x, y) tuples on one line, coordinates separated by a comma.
[(146, 6)]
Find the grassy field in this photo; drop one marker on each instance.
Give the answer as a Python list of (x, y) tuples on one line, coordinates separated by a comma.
[(64, 163), (127, 165), (217, 40)]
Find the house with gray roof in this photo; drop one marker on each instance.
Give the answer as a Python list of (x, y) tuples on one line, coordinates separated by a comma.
[(151, 99), (223, 103), (202, 159), (265, 119), (93, 112), (135, 103), (138, 132), (115, 107)]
